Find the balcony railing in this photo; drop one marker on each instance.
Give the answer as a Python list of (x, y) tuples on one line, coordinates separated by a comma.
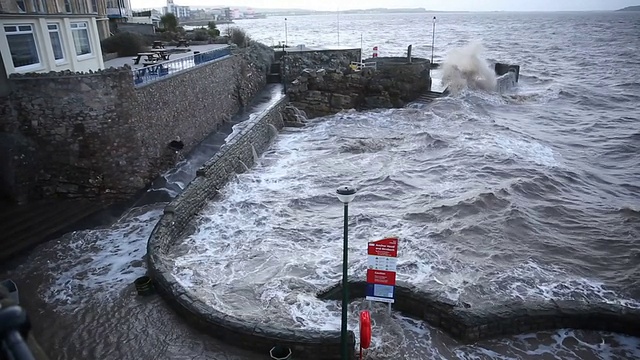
[(161, 70), (117, 12)]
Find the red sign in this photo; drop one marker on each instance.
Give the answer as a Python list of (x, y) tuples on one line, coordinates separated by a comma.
[(384, 247), (381, 277)]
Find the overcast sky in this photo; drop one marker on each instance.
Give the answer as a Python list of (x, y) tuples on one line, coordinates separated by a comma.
[(443, 5)]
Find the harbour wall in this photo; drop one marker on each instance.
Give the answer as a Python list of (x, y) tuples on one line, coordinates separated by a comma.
[(387, 83), (294, 61)]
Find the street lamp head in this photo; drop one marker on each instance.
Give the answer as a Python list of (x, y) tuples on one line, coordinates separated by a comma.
[(346, 194)]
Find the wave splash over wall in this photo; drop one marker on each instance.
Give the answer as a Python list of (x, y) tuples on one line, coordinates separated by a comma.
[(465, 69)]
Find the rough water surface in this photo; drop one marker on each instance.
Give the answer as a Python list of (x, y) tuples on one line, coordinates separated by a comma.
[(528, 194)]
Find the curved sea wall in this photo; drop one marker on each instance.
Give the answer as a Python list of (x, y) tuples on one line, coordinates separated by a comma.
[(467, 323), (175, 224)]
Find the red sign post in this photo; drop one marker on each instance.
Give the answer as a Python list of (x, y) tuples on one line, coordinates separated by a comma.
[(381, 277), (384, 247), (381, 272)]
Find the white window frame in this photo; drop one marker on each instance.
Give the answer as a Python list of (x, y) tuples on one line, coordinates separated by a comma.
[(51, 29), (17, 30), (79, 26)]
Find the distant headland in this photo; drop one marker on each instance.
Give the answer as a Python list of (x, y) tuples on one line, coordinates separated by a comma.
[(631, 8)]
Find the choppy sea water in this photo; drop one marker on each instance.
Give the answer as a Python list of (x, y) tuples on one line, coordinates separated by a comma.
[(529, 194)]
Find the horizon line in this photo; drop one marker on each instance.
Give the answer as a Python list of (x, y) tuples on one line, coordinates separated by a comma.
[(398, 9)]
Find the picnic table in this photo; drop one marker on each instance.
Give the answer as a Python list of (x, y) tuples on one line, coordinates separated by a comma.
[(157, 45), (183, 42), (151, 56), (162, 53)]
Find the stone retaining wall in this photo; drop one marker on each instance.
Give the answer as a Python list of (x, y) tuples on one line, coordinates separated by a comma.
[(393, 84), (470, 324), (174, 225), (94, 135), (296, 61)]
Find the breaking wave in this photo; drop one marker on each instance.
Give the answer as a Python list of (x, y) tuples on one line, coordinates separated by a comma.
[(464, 68)]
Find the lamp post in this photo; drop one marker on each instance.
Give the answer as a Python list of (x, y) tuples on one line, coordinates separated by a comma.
[(346, 194), (433, 40), (338, 26), (286, 37)]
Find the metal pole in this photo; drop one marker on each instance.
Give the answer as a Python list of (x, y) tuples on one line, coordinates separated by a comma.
[(433, 40), (284, 69), (345, 194), (345, 285), (361, 48), (338, 26), (286, 36)]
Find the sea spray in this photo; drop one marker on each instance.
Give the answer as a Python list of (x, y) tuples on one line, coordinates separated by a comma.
[(464, 68)]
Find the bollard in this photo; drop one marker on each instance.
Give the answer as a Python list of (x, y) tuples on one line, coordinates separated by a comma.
[(280, 353), (144, 286), (12, 290)]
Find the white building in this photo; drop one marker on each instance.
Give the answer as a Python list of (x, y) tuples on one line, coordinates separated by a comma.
[(181, 12), (52, 35), (146, 17)]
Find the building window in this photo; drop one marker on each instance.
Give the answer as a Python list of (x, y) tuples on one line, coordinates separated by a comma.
[(56, 41), (94, 5), (81, 38), (22, 45), (39, 6), (22, 7), (67, 6)]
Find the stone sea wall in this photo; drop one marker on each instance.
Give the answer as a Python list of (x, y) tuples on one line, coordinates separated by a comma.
[(175, 224), (295, 61), (96, 135), (393, 83), (469, 324)]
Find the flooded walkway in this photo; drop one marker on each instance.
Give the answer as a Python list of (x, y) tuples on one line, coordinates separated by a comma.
[(78, 289)]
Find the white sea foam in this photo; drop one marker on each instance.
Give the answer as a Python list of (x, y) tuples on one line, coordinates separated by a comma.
[(527, 150), (464, 68), (530, 280), (101, 263)]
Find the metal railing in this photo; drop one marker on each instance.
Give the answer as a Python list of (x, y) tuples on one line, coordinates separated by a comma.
[(357, 66), (162, 69)]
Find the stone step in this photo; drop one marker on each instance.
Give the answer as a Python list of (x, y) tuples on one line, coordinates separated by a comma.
[(432, 95), (275, 68), (274, 78), (24, 227)]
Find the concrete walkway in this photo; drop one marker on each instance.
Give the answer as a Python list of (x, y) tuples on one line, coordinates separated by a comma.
[(128, 60)]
